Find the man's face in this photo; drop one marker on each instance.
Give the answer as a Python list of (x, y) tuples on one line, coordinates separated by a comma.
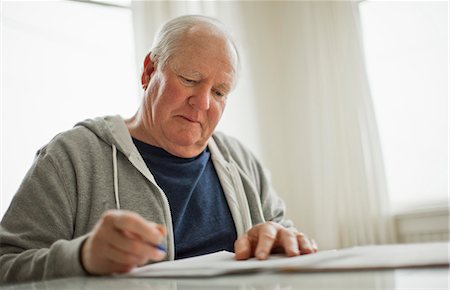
[(185, 100)]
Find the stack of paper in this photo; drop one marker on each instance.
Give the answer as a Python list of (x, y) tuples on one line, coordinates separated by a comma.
[(366, 257)]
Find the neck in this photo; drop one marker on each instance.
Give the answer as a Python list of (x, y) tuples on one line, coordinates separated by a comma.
[(139, 130)]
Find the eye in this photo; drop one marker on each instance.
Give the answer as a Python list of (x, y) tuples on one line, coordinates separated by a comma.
[(218, 93), (187, 81)]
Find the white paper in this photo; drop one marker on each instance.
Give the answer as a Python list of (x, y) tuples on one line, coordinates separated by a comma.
[(366, 257)]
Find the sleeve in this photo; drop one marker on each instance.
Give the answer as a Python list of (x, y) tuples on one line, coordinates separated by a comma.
[(273, 207), (263, 201), (36, 232)]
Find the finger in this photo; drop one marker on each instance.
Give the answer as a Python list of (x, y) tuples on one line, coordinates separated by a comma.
[(114, 267), (314, 245), (242, 248), (162, 230), (288, 240), (304, 244), (134, 223), (131, 242), (111, 266), (137, 225), (266, 236), (133, 245), (126, 259), (96, 257), (144, 249), (118, 239)]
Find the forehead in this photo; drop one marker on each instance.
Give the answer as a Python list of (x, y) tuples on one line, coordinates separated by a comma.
[(208, 55)]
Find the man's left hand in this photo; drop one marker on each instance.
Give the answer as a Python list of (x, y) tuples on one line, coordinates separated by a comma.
[(269, 237)]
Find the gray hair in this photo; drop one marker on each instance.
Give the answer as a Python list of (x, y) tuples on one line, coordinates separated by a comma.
[(167, 39)]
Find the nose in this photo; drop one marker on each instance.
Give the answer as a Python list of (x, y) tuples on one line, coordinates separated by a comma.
[(200, 99)]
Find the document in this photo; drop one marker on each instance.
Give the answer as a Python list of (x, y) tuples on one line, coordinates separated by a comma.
[(365, 257)]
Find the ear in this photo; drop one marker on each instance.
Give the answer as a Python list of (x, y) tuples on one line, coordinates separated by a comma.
[(147, 72)]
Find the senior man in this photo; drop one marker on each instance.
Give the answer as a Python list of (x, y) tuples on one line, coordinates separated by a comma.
[(113, 194)]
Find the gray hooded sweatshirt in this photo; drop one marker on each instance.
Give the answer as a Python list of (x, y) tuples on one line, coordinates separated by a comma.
[(95, 167)]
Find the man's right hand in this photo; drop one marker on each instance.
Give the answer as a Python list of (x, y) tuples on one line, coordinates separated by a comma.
[(121, 241)]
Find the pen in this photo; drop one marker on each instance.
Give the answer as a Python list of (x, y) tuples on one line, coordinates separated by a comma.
[(158, 246)]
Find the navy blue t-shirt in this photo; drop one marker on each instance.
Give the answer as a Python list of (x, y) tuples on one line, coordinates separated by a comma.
[(201, 217)]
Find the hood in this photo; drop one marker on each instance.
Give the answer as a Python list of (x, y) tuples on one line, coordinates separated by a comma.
[(112, 130)]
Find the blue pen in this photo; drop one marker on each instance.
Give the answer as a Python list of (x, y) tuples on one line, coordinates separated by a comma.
[(158, 246)]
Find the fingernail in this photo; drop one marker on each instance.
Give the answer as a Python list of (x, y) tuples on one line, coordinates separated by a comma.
[(261, 255), (159, 255), (309, 250)]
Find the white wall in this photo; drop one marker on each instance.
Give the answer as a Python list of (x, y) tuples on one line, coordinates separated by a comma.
[(407, 64), (57, 71)]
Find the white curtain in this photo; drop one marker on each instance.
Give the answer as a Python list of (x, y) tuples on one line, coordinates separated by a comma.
[(304, 107)]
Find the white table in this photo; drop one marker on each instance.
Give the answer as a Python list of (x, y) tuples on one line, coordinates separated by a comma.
[(412, 278)]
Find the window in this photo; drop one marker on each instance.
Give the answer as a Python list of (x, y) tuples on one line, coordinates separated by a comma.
[(62, 62), (406, 47)]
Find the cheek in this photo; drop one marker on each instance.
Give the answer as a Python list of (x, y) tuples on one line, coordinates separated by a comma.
[(215, 112), (175, 93), (170, 98)]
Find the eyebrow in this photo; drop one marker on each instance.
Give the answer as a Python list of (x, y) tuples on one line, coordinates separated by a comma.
[(199, 75), (224, 87), (188, 72)]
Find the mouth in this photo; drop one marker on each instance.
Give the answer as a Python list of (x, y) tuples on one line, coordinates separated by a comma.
[(189, 119)]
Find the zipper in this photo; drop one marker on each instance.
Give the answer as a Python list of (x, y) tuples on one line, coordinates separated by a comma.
[(240, 195), (166, 208)]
